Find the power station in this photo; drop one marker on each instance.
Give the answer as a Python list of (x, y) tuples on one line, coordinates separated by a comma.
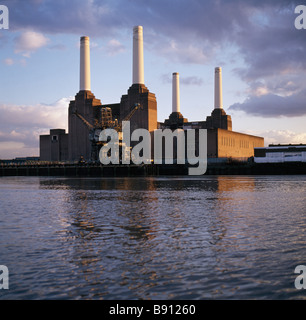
[(87, 116)]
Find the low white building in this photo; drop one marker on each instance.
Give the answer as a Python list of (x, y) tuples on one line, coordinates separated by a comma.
[(280, 153)]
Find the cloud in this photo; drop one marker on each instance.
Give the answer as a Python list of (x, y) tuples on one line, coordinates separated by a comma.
[(181, 52), (274, 66), (22, 125), (270, 51), (114, 47), (40, 115), (12, 150), (29, 41), (57, 16), (59, 46), (194, 26), (191, 80), (188, 32), (284, 137), (271, 105), (191, 29), (280, 136), (9, 61)]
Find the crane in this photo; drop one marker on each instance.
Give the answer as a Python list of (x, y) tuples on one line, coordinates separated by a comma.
[(106, 122), (130, 115), (94, 132)]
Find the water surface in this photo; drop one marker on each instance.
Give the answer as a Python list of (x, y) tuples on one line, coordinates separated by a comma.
[(212, 237)]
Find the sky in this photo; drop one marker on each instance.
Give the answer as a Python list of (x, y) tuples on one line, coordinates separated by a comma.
[(261, 52)]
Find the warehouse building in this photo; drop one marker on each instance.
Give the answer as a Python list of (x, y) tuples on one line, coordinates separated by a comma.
[(281, 153)]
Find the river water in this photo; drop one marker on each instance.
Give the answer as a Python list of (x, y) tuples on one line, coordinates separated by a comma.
[(210, 237)]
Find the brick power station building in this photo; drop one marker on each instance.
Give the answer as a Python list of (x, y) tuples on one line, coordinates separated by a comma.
[(86, 113)]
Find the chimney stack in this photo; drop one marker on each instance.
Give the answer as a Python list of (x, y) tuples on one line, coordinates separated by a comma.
[(138, 69), (85, 64), (218, 88), (175, 92)]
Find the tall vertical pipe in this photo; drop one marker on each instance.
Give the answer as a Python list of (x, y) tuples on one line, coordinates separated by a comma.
[(138, 65), (175, 92), (84, 64), (218, 88)]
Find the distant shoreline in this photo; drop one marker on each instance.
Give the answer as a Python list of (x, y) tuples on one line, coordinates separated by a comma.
[(88, 170)]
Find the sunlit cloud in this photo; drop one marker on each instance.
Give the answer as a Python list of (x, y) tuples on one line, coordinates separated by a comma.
[(22, 125), (280, 136), (29, 41)]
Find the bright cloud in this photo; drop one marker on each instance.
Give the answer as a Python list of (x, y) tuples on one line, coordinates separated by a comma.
[(29, 41), (22, 125), (281, 136), (40, 115)]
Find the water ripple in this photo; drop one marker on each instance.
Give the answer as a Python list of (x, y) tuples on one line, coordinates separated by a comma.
[(153, 238)]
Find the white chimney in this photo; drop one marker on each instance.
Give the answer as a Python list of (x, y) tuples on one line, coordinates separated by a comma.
[(84, 64), (175, 92), (218, 88), (138, 69)]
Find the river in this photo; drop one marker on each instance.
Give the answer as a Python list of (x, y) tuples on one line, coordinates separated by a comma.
[(209, 237)]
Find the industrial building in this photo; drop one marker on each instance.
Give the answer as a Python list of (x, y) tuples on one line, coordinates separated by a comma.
[(87, 116), (281, 153), (222, 142), (54, 146)]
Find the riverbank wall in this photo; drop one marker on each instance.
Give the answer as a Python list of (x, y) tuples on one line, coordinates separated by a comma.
[(87, 170)]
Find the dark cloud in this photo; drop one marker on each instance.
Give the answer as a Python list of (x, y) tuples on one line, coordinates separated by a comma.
[(62, 16), (211, 20), (194, 31), (272, 49), (271, 105), (206, 23)]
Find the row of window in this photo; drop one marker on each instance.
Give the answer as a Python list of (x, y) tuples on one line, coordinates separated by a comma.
[(231, 142), (227, 141)]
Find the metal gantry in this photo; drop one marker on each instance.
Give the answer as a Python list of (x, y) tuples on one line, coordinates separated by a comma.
[(107, 122)]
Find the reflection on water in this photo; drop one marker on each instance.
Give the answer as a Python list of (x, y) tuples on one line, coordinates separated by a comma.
[(152, 238)]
